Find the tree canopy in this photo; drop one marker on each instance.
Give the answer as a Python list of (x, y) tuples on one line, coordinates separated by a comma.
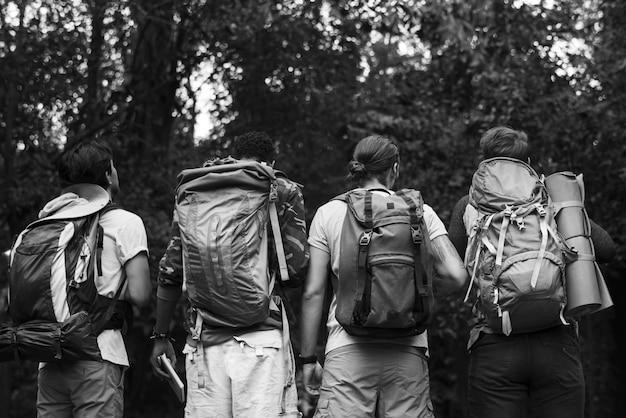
[(317, 76)]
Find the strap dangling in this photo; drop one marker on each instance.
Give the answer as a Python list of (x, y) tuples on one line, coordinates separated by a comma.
[(543, 226), (278, 242)]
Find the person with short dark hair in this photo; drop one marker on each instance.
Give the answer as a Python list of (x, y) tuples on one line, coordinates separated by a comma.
[(503, 141), (367, 376), (90, 388), (540, 371), (254, 145), (244, 369)]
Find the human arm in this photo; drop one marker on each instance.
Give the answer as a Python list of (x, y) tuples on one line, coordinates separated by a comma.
[(603, 244), (456, 229), (162, 343), (138, 278), (312, 310), (449, 268), (169, 291)]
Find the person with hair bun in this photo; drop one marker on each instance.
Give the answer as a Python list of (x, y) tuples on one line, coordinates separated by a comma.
[(367, 376)]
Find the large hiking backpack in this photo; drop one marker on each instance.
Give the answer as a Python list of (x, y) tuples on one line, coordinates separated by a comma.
[(55, 309), (514, 253), (385, 269), (224, 212)]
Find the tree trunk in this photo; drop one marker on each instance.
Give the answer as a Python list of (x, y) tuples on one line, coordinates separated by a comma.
[(152, 80)]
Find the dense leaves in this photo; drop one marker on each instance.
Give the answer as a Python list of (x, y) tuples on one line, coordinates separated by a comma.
[(317, 76)]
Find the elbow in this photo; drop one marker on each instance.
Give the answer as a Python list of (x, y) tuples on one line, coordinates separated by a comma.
[(450, 281), (141, 301), (460, 276)]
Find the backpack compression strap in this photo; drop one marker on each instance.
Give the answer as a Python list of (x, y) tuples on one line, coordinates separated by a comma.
[(364, 242), (278, 239), (416, 213)]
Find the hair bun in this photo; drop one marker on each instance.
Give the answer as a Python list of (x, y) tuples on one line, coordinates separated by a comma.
[(356, 170)]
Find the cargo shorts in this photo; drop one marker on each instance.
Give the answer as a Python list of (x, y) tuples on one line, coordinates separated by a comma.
[(368, 380)]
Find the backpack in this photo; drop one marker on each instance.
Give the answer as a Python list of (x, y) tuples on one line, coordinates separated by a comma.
[(55, 310), (224, 210), (514, 253), (384, 286)]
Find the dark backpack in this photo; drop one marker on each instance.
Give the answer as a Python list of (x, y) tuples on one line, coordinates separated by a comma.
[(385, 269), (55, 310), (515, 255), (225, 212)]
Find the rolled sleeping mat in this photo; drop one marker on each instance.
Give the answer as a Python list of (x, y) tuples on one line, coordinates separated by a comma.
[(584, 284)]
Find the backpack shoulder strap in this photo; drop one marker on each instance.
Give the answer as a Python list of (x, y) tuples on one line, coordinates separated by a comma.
[(278, 239), (100, 236), (100, 325), (421, 247)]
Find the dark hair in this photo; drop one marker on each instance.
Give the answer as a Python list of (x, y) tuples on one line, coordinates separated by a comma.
[(85, 162), (256, 145), (503, 141), (373, 156)]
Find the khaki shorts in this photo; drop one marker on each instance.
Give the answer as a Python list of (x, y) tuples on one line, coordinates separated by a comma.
[(81, 389), (367, 380), (240, 380)]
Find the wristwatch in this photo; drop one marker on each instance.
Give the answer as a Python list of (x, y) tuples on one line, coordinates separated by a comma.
[(308, 360)]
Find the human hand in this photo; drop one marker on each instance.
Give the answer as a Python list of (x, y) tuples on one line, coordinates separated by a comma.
[(161, 345), (312, 377)]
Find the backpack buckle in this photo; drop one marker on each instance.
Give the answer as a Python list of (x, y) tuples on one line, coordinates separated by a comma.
[(273, 192), (416, 235), (365, 239), (541, 210)]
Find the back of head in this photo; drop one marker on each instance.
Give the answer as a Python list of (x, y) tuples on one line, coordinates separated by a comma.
[(502, 141), (372, 158), (85, 162), (255, 146)]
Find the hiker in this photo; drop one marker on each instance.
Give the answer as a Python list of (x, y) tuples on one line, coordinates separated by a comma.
[(530, 362), (380, 371), (90, 388), (237, 364)]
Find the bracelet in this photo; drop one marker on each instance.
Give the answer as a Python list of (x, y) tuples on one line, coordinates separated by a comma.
[(161, 336), (308, 360)]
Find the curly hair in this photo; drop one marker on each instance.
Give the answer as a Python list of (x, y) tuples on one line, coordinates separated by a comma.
[(256, 145), (85, 162)]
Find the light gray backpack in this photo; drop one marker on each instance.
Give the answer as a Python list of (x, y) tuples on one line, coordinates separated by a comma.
[(514, 253)]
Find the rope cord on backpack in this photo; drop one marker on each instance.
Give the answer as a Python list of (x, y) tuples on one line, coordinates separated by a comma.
[(543, 226), (502, 235)]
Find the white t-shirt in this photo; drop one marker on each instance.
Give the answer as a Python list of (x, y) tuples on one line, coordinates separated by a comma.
[(325, 234), (124, 238)]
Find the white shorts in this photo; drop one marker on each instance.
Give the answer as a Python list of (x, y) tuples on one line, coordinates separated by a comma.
[(242, 378)]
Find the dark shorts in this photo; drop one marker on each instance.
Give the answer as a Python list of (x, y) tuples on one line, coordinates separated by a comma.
[(539, 372)]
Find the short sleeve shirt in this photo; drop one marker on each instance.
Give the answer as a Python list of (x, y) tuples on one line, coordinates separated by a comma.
[(124, 238)]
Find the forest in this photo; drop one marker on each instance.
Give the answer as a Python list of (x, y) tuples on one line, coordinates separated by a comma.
[(170, 83)]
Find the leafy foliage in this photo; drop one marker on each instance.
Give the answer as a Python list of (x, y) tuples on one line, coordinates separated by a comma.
[(317, 76)]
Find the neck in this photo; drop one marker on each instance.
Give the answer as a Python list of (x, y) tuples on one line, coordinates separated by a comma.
[(374, 184)]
